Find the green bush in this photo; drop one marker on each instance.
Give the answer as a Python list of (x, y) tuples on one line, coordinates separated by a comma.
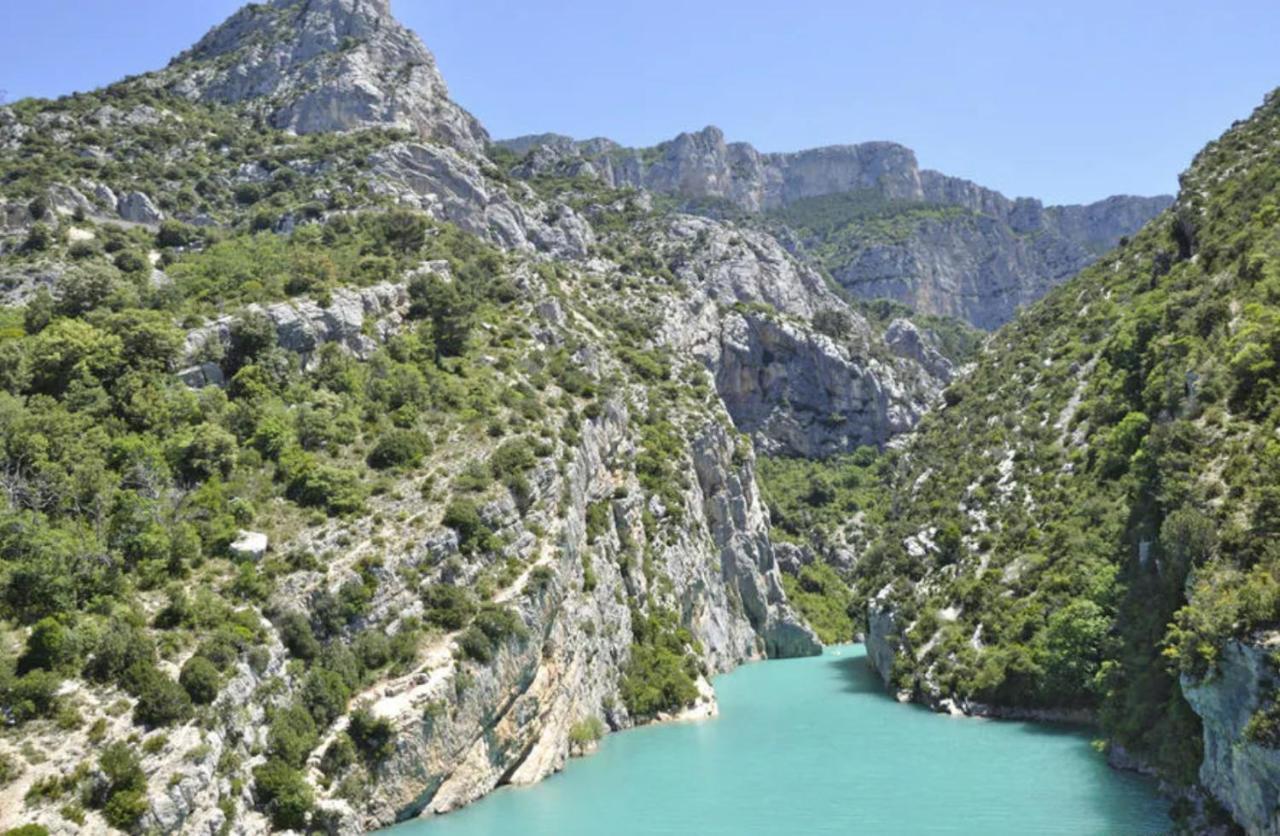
[(200, 678), (448, 607), (297, 636), (161, 701), (292, 735), (338, 756), (325, 694), (284, 793), (29, 696), (398, 448), (586, 731), (49, 647), (374, 737), (474, 535), (493, 626), (122, 795)]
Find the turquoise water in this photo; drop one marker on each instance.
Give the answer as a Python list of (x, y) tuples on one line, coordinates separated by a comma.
[(814, 746)]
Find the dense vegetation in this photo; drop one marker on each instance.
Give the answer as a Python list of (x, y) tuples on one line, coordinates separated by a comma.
[(1093, 513)]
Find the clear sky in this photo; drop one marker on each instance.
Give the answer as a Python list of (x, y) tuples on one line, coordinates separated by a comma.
[(1064, 101)]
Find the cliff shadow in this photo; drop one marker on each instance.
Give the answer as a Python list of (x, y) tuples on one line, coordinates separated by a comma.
[(857, 675)]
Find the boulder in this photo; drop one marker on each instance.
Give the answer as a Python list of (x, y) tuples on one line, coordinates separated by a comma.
[(250, 545), (136, 207)]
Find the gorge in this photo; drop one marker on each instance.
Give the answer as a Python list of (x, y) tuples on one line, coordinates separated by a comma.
[(355, 466)]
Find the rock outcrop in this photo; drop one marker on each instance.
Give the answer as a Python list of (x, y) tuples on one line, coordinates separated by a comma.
[(1242, 774), (749, 315), (326, 65), (980, 259)]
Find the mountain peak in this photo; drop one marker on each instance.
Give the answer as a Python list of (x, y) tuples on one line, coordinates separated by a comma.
[(326, 65)]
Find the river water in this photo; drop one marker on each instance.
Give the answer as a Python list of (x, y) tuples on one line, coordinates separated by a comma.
[(815, 746)]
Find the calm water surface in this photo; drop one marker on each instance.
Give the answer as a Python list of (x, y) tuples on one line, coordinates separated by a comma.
[(814, 746)]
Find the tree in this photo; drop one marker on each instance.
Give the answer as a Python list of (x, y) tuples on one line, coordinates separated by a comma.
[(325, 694), (252, 335), (296, 634), (449, 607), (39, 311), (403, 232), (1070, 652), (397, 448), (210, 452), (450, 310), (463, 516), (39, 238), (834, 323), (69, 349), (151, 342)]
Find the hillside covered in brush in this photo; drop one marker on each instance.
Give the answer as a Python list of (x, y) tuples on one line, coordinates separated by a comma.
[(1088, 527)]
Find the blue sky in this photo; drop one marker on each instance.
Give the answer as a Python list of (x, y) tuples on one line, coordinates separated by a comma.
[(1067, 102)]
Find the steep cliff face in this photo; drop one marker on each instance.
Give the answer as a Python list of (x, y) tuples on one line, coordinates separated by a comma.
[(883, 227), (1243, 772)]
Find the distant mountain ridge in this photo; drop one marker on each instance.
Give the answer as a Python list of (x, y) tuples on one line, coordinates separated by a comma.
[(1000, 254)]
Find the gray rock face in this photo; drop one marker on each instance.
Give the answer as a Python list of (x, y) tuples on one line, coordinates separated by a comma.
[(703, 165), (326, 65), (980, 261), (800, 393), (1242, 775), (464, 728), (883, 634), (453, 187), (748, 316), (303, 325), (136, 207)]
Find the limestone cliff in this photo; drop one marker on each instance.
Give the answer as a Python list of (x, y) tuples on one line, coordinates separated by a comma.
[(882, 226), (325, 65), (1242, 773)]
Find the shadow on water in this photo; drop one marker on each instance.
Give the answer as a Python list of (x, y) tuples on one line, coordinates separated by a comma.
[(858, 675)]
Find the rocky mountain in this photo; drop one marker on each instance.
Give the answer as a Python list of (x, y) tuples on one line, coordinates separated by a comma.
[(330, 65), (879, 224), (346, 477), (1087, 528)]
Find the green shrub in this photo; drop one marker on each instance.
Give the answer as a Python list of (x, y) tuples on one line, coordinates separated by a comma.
[(325, 694), (284, 793), (161, 701), (292, 735), (297, 636), (586, 731), (338, 756), (474, 534), (448, 607), (49, 647), (200, 678), (30, 695), (122, 795), (398, 448), (494, 625), (374, 737)]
